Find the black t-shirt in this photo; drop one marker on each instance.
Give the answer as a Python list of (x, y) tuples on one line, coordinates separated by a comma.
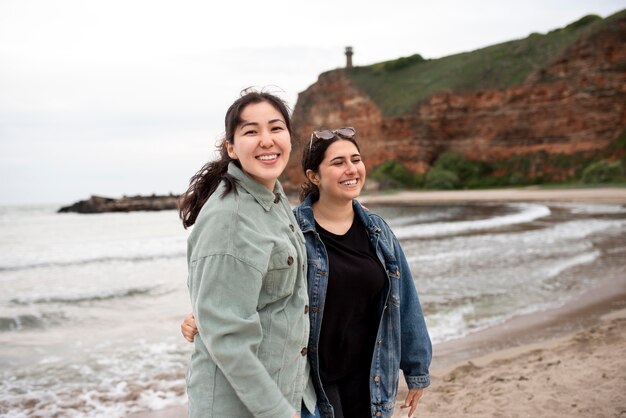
[(356, 280)]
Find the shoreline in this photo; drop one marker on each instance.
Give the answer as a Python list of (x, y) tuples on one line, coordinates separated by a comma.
[(536, 364), (583, 311), (483, 357), (475, 365), (586, 195)]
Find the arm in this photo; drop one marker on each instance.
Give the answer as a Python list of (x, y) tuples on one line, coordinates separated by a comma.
[(416, 348), (224, 296)]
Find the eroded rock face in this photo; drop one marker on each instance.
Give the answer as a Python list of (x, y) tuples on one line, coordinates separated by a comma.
[(575, 104)]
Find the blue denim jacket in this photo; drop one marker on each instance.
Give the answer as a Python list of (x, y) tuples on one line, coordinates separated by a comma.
[(402, 341)]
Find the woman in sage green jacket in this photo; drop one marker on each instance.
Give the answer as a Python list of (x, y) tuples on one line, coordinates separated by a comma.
[(247, 276)]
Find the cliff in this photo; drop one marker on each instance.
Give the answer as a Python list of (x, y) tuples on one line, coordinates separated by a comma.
[(569, 106)]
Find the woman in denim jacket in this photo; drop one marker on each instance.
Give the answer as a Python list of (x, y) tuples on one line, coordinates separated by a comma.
[(371, 290), (366, 319)]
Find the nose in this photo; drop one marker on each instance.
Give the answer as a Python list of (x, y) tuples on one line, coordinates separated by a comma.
[(266, 140), (350, 167)]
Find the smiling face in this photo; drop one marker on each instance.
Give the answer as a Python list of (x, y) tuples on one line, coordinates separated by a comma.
[(341, 174), (262, 143)]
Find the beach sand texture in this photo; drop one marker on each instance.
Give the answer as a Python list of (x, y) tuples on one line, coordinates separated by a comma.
[(578, 375), (583, 375), (526, 194), (569, 362)]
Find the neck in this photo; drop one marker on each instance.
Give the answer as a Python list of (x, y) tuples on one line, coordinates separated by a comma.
[(332, 215)]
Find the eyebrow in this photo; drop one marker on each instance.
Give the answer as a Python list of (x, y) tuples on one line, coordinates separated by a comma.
[(341, 157), (246, 123)]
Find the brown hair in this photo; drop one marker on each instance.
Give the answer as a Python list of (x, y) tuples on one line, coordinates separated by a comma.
[(312, 157), (204, 183)]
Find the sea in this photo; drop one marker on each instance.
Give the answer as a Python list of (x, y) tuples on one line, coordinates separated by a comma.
[(91, 305)]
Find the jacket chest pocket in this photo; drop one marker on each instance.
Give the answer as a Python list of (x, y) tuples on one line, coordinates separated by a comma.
[(280, 279)]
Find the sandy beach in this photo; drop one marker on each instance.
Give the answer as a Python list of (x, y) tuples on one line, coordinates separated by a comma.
[(526, 194), (569, 361)]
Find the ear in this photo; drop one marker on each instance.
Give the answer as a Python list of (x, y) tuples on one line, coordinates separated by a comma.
[(230, 149), (312, 176)]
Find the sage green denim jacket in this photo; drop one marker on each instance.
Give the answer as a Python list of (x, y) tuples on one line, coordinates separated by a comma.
[(247, 281)]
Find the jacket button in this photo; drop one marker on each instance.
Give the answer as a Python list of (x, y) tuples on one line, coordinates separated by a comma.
[(379, 414), (291, 227), (290, 260), (306, 309), (398, 273), (376, 378), (303, 351)]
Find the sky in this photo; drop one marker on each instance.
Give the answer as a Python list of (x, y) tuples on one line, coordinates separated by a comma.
[(125, 97)]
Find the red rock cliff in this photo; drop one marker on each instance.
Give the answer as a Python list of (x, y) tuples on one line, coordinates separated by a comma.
[(576, 103)]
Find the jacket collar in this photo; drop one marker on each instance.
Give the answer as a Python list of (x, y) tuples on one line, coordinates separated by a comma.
[(364, 215), (307, 220), (260, 193)]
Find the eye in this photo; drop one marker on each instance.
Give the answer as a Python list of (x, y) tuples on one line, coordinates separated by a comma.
[(356, 160), (277, 128), (249, 132)]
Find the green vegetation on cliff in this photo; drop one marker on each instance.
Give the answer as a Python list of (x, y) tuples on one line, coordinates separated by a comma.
[(453, 171), (398, 85)]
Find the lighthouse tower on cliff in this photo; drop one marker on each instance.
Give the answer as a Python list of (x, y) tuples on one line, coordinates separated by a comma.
[(349, 57)]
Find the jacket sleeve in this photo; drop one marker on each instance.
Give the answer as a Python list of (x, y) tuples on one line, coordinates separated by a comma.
[(416, 347), (224, 297)]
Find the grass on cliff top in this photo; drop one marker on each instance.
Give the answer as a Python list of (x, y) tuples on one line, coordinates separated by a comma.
[(398, 85)]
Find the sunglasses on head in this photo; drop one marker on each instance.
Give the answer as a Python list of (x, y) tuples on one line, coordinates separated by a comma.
[(346, 133)]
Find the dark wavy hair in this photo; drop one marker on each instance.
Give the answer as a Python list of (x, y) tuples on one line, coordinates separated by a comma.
[(204, 183), (312, 157)]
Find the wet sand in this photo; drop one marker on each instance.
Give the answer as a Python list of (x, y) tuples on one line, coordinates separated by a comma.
[(569, 361), (527, 194)]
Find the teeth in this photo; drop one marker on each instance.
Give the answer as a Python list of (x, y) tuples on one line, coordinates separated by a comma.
[(267, 157), (349, 182)]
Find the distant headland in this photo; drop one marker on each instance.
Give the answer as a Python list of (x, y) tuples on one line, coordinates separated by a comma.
[(100, 204), (546, 109)]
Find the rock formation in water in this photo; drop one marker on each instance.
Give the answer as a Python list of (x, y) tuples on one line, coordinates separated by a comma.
[(99, 204)]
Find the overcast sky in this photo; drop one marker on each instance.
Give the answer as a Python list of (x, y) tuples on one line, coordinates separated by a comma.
[(128, 97)]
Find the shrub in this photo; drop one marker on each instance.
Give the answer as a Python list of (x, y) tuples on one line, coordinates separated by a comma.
[(469, 173), (403, 62), (516, 179), (602, 171), (393, 174), (439, 178)]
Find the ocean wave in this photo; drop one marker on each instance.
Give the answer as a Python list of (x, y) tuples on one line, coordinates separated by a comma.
[(30, 321), (592, 208), (147, 376), (427, 216), (86, 297), (461, 321), (566, 264), (527, 213), (93, 260)]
